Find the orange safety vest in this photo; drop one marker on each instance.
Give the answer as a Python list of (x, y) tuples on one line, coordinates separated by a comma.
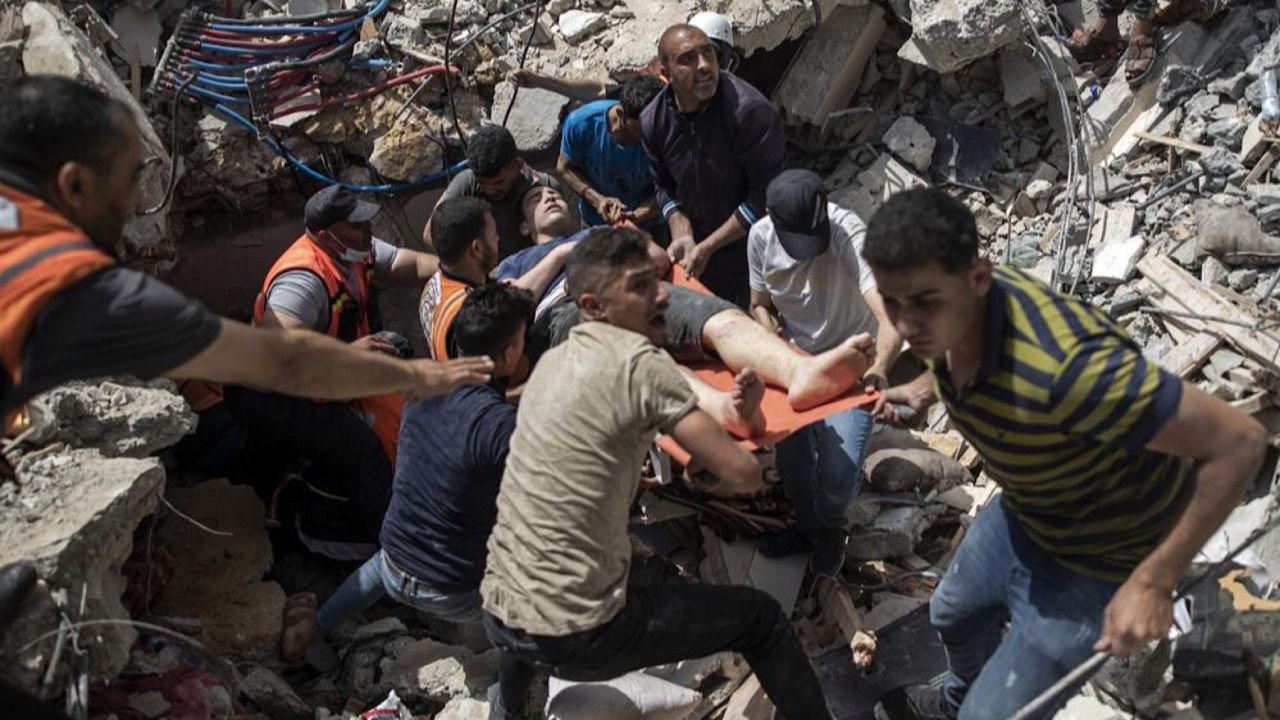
[(348, 321), (446, 295), (41, 254)]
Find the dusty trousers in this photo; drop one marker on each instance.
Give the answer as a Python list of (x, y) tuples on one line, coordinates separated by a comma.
[(663, 624)]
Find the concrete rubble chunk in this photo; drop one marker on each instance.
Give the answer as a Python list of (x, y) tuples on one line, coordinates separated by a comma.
[(1021, 78), (1116, 261), (921, 471), (1253, 143), (274, 696), (895, 532), (1227, 132), (455, 677), (534, 121), (219, 581), (946, 35), (55, 46), (830, 66), (464, 709), (576, 25), (1220, 162), (133, 420), (73, 514), (909, 140), (1213, 272), (139, 32)]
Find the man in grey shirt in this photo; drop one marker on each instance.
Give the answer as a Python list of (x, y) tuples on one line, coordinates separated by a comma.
[(498, 174)]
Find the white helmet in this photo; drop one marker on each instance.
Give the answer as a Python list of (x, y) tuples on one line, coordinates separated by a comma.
[(716, 26)]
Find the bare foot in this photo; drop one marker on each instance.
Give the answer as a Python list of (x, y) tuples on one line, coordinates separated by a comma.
[(747, 392), (829, 374), (738, 409)]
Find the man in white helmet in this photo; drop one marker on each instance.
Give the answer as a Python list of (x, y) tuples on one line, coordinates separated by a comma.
[(717, 26)]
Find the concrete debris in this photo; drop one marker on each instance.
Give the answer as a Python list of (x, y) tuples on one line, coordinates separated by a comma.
[(895, 532), (464, 709), (1234, 235), (534, 121), (633, 696), (920, 471), (133, 420), (219, 582), (576, 25), (909, 140), (830, 67), (1116, 261), (946, 35), (73, 514)]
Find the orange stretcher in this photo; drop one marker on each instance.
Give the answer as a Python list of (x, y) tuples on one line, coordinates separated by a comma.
[(781, 419)]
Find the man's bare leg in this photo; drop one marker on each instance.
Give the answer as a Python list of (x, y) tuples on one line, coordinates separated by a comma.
[(809, 380), (738, 409)]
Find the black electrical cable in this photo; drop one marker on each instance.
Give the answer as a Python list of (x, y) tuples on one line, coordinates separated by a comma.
[(524, 52), (448, 76), (173, 149)]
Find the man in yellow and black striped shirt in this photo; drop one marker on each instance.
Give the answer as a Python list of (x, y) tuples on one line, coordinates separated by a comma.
[(1114, 472)]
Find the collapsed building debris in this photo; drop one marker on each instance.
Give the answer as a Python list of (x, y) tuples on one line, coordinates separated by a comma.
[(1161, 205)]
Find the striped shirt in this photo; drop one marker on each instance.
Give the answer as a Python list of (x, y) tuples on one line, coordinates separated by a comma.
[(1061, 410)]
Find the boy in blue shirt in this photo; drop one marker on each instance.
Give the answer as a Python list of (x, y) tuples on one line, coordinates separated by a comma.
[(601, 158)]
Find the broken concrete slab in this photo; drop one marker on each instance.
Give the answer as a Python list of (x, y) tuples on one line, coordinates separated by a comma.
[(73, 514), (946, 35), (219, 581), (1021, 78), (829, 68), (119, 419), (740, 563), (1117, 260), (451, 678), (895, 532), (56, 46), (464, 709), (886, 177), (576, 25), (1253, 143), (139, 32), (1113, 224), (534, 120), (909, 140)]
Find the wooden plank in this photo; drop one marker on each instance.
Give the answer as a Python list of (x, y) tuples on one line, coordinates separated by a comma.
[(1182, 292), (1187, 357), (837, 605), (1264, 164), (749, 702), (1173, 142)]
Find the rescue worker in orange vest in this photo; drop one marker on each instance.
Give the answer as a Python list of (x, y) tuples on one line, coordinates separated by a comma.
[(324, 283), (70, 158)]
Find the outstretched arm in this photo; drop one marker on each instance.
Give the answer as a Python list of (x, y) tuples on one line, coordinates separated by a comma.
[(735, 470), (309, 364)]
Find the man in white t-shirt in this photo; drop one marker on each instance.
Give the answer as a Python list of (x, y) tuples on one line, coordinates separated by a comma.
[(810, 283)]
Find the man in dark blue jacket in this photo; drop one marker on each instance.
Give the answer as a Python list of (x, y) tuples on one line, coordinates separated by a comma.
[(449, 463), (714, 143)]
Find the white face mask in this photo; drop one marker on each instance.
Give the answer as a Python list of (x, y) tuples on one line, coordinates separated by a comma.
[(355, 255)]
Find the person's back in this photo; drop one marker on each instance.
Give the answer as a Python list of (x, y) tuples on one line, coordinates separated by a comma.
[(452, 450), (560, 553)]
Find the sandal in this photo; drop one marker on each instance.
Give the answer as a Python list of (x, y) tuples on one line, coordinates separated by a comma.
[(1089, 46), (298, 626), (1141, 59)]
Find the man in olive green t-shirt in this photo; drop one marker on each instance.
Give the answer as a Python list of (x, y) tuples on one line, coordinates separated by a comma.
[(555, 588)]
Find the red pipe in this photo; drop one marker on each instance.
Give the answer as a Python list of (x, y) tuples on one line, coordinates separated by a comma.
[(367, 92), (235, 42)]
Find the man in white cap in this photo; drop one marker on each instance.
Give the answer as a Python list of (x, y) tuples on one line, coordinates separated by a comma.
[(809, 282)]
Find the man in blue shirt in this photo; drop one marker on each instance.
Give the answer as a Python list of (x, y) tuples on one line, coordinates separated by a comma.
[(450, 460), (602, 160)]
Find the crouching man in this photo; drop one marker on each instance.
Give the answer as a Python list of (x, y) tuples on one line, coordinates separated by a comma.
[(555, 588), (452, 453)]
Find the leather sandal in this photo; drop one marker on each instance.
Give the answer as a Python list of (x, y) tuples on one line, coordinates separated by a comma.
[(1090, 46)]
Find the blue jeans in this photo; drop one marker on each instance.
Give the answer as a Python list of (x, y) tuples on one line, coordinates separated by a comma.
[(821, 467), (1054, 615), (379, 577)]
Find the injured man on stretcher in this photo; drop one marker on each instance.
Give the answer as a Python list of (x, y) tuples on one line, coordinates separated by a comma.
[(698, 327)]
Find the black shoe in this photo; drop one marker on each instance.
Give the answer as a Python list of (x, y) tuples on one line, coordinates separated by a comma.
[(828, 552), (784, 544), (912, 702)]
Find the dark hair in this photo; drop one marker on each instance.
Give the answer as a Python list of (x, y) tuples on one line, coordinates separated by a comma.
[(919, 226), (490, 149), (490, 318), (455, 224), (637, 93), (601, 256), (48, 121)]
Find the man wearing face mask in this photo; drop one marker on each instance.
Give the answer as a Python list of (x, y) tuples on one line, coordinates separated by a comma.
[(324, 283), (714, 144)]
